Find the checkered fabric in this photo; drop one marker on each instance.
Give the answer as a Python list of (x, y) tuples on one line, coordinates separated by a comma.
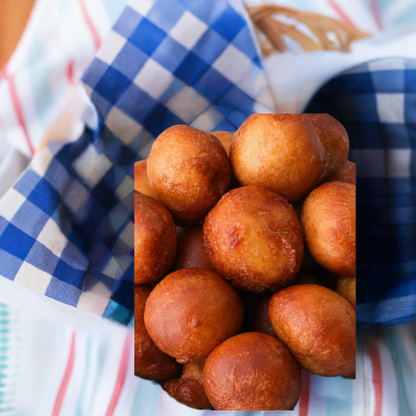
[(376, 102), (66, 226), (176, 62)]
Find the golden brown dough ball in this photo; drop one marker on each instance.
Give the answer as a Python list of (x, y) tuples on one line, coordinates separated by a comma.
[(189, 389), (328, 221), (154, 239), (141, 181), (149, 362), (225, 138), (347, 289), (188, 171), (191, 252), (334, 138), (318, 326), (281, 152), (346, 173), (253, 238), (252, 371), (190, 312)]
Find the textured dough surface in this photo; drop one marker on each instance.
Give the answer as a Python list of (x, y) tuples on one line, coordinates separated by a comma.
[(347, 289), (252, 371), (189, 389), (154, 239), (334, 138), (281, 152), (329, 221), (190, 312), (188, 171), (346, 173), (318, 327), (254, 239), (149, 362), (191, 252), (141, 181), (225, 138)]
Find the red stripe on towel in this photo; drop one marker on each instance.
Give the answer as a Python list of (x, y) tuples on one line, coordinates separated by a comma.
[(93, 30), (377, 377), (18, 110), (376, 13), (66, 378), (121, 377), (340, 12)]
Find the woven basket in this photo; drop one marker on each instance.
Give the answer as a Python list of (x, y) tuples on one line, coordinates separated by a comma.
[(311, 31)]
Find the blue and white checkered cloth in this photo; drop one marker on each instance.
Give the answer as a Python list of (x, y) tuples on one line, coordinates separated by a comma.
[(66, 226), (376, 102)]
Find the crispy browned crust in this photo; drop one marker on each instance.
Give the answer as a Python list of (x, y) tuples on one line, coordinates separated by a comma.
[(188, 171), (318, 326), (149, 362), (141, 181), (254, 239), (154, 239), (334, 138), (346, 173), (252, 371), (328, 221), (191, 252), (190, 312), (189, 389), (225, 138), (347, 289), (281, 152)]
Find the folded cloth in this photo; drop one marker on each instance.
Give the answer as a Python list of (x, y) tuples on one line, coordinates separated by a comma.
[(91, 373), (57, 45), (197, 63), (376, 103), (66, 227)]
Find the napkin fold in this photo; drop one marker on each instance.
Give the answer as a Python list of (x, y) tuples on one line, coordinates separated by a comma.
[(66, 226), (376, 102)]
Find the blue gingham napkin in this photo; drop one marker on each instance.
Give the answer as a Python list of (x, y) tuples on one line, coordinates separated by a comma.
[(376, 102), (66, 226)]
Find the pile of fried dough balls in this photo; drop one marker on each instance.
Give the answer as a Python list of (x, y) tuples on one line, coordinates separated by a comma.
[(245, 261)]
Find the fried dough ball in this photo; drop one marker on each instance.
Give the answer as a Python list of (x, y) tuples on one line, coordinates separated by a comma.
[(347, 289), (346, 173), (189, 389), (328, 221), (254, 239), (188, 171), (192, 311), (334, 138), (252, 371), (191, 251), (259, 320), (141, 181), (281, 152), (154, 239), (149, 362), (318, 326), (225, 138)]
